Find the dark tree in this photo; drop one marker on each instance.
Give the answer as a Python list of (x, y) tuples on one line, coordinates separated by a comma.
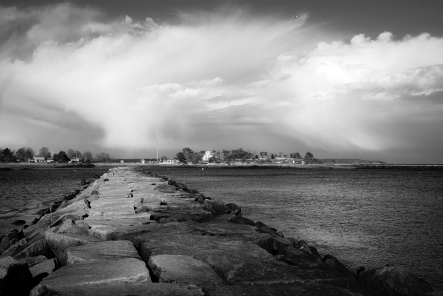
[(181, 157), (44, 152), (295, 155), (224, 154), (239, 153), (7, 155), (188, 153), (196, 157), (309, 155), (24, 153), (272, 156), (78, 154), (62, 157), (70, 153)]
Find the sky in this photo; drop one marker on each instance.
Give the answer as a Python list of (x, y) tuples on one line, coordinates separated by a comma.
[(345, 79)]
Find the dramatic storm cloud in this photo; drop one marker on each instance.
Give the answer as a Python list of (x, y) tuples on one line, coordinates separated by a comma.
[(69, 77)]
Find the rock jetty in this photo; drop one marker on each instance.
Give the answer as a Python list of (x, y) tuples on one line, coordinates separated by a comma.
[(134, 233)]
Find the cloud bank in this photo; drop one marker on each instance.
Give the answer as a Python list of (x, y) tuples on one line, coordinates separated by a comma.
[(225, 79)]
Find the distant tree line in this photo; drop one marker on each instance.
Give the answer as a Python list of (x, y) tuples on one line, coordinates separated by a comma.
[(25, 154), (187, 155)]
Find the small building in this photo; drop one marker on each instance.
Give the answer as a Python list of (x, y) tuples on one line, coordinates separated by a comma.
[(38, 159), (49, 160), (207, 156), (75, 160), (143, 161)]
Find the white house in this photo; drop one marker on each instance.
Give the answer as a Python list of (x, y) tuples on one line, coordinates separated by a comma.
[(38, 159), (75, 160), (207, 156)]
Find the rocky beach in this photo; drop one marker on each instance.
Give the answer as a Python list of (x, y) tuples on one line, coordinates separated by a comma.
[(132, 232)]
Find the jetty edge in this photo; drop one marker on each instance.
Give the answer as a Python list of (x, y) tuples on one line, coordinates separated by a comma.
[(131, 232)]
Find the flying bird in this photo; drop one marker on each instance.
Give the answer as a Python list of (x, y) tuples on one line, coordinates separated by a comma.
[(297, 16)]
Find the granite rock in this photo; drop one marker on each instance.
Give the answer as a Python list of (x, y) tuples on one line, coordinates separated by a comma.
[(184, 270), (93, 275), (108, 250)]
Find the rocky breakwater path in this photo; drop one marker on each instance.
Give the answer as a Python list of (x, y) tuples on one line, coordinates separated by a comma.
[(134, 233)]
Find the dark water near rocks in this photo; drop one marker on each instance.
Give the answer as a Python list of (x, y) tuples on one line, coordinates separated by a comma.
[(363, 217), (24, 192)]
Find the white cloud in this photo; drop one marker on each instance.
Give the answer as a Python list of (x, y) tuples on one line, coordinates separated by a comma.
[(139, 83)]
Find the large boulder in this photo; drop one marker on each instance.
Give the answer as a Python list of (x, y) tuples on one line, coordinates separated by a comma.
[(392, 281), (216, 208), (31, 261), (34, 248), (184, 270), (10, 239), (44, 268), (122, 289), (108, 250), (15, 277), (14, 248), (334, 263), (58, 243), (167, 216), (236, 261), (93, 275)]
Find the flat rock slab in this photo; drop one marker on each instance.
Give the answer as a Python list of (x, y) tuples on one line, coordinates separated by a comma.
[(59, 243), (184, 270), (109, 250), (114, 232), (105, 202), (180, 215), (116, 217), (47, 266), (139, 289), (88, 275)]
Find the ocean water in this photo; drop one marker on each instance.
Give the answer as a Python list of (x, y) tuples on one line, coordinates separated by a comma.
[(363, 217), (24, 192)]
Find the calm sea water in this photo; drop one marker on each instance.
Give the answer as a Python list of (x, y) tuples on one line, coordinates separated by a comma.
[(24, 192), (363, 217)]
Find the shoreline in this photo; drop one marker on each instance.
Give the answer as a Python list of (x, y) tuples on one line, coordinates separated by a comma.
[(215, 251)]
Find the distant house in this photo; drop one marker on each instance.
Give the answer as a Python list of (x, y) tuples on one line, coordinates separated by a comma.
[(207, 156), (38, 159), (49, 160), (169, 162), (122, 161), (75, 160), (143, 161)]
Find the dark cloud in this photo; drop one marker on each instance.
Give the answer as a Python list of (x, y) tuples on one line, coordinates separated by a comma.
[(212, 78)]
